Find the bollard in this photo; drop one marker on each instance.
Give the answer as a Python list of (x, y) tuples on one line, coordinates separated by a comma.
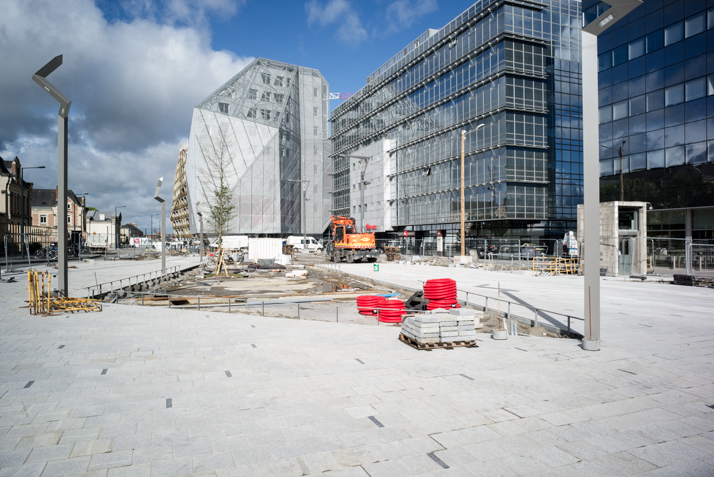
[(229, 306), (263, 308), (298, 310), (467, 298), (142, 299), (568, 325), (199, 303), (337, 311), (485, 308), (536, 317)]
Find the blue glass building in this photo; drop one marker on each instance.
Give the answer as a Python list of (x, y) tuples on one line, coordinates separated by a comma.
[(508, 74), (656, 80)]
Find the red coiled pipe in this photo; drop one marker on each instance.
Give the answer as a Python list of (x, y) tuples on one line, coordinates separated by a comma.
[(391, 311), (368, 304)]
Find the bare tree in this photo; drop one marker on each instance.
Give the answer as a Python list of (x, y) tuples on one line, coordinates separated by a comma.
[(215, 178)]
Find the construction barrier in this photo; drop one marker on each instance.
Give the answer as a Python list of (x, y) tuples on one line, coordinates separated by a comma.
[(41, 301)]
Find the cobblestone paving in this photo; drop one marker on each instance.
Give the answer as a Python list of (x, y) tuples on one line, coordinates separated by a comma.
[(145, 391)]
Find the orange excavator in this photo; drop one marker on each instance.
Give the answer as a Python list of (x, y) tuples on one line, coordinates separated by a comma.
[(348, 245)]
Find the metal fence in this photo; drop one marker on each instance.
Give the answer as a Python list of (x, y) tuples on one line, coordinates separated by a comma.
[(485, 248)]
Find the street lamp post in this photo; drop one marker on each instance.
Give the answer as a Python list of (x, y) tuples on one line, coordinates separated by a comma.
[(74, 223), (40, 77), (363, 160), (23, 203), (116, 230), (200, 234), (591, 166), (163, 225), (463, 200)]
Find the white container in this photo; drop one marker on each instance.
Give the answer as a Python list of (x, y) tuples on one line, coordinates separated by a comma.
[(264, 248), (500, 334)]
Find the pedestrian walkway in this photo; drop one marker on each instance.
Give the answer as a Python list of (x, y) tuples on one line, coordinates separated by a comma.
[(160, 392)]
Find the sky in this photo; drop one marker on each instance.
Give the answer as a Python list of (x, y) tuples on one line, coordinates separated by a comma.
[(135, 69)]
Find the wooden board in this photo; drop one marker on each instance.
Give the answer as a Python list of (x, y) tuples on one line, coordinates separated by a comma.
[(430, 346)]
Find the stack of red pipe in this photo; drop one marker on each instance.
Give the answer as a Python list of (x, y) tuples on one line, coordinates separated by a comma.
[(368, 304), (391, 311), (441, 293)]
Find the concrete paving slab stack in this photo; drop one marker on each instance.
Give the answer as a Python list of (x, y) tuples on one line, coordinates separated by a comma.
[(422, 328), (465, 323)]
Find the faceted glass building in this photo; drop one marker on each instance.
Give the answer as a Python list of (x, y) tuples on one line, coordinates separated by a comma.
[(269, 125), (508, 74), (656, 94)]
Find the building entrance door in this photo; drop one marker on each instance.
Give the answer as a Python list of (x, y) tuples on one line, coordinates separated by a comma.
[(625, 253)]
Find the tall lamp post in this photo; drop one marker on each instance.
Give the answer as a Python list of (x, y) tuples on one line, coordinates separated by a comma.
[(74, 223), (163, 225), (116, 229), (23, 203), (591, 166), (41, 79), (463, 200), (200, 234), (363, 160)]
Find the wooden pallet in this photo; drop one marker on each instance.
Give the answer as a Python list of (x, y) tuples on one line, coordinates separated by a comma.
[(430, 346)]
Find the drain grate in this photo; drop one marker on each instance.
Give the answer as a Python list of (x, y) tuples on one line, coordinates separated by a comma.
[(169, 403), (104, 371), (29, 383), (228, 373)]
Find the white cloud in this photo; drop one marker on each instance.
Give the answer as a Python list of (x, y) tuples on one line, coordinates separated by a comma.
[(340, 12), (133, 85), (402, 13)]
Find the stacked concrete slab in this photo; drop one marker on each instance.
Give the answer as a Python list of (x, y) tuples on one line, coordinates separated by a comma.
[(423, 328), (442, 326)]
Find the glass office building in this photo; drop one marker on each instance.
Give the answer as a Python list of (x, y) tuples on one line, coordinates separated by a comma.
[(269, 126), (506, 73), (656, 94)]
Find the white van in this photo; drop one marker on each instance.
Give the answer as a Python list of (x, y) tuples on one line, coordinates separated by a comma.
[(300, 243)]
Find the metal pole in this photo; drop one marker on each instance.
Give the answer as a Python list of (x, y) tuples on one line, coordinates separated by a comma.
[(200, 237), (463, 200), (163, 238), (62, 285), (591, 184)]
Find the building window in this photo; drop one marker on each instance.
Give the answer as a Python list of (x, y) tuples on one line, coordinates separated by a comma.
[(252, 113), (314, 92), (69, 206), (278, 81), (278, 97), (674, 95), (252, 94), (673, 34), (265, 77), (69, 219), (43, 219), (266, 96), (314, 111), (223, 107), (315, 130)]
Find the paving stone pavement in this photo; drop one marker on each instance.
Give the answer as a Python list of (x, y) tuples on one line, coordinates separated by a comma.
[(309, 397)]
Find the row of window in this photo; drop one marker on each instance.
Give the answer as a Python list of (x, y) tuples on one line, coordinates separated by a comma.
[(696, 153), (278, 81), (679, 93), (43, 218), (659, 39)]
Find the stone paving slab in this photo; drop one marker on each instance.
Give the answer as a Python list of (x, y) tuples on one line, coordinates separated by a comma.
[(308, 397)]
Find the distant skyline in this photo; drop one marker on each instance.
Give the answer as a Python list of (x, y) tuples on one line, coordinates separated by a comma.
[(135, 69)]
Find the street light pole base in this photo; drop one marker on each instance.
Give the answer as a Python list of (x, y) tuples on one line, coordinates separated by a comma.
[(591, 345)]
